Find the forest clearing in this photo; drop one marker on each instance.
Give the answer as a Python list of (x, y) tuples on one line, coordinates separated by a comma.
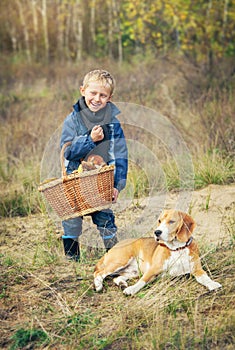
[(55, 300), (173, 62)]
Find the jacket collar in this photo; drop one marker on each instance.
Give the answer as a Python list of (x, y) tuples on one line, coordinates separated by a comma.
[(115, 111)]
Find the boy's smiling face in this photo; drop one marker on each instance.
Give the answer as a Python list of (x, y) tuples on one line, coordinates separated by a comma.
[(96, 95)]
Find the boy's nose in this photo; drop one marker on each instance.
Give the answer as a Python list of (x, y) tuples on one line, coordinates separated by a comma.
[(97, 97)]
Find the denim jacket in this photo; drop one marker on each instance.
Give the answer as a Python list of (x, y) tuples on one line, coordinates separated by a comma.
[(74, 130)]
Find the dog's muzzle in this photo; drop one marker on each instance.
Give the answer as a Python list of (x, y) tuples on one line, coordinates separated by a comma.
[(158, 234)]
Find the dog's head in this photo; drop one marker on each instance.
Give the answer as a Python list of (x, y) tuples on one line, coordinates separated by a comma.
[(174, 225)]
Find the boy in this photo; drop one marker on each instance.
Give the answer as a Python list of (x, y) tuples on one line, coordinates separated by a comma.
[(94, 129)]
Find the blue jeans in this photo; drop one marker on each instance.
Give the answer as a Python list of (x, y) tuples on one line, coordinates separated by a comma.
[(105, 222)]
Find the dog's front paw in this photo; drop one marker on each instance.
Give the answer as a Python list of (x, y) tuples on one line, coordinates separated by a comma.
[(98, 283), (206, 281), (135, 288), (129, 290), (214, 285), (120, 281)]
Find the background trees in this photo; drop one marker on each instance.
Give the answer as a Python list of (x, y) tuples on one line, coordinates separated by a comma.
[(42, 30)]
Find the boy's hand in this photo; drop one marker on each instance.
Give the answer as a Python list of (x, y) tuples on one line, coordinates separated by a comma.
[(115, 195), (97, 133)]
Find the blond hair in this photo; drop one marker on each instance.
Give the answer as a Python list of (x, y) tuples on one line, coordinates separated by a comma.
[(102, 76)]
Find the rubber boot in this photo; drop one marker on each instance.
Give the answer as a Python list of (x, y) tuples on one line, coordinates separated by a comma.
[(109, 243), (71, 249)]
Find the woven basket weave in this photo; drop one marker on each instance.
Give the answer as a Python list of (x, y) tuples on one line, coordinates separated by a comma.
[(79, 194)]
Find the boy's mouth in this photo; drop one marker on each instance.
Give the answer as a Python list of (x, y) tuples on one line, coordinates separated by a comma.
[(95, 106)]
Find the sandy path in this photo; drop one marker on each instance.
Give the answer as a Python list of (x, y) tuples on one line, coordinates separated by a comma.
[(213, 209)]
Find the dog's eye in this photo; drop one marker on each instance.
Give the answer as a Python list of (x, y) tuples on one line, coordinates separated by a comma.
[(159, 221), (171, 221)]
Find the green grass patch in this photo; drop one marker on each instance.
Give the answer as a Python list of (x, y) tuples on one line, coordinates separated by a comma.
[(73, 316), (28, 337), (22, 197), (19, 195), (213, 168)]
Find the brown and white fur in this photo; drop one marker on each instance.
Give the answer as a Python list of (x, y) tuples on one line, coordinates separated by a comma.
[(172, 250)]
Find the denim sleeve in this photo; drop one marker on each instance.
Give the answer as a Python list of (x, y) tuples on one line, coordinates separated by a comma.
[(120, 155), (81, 145)]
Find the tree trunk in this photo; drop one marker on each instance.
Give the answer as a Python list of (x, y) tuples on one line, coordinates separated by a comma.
[(78, 29), (25, 30), (110, 29), (67, 29), (12, 33), (92, 25), (225, 18), (116, 10), (45, 29), (35, 29), (60, 25)]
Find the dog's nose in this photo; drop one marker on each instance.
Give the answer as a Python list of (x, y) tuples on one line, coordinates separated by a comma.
[(158, 233)]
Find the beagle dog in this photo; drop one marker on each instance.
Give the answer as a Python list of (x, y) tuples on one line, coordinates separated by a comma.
[(173, 250)]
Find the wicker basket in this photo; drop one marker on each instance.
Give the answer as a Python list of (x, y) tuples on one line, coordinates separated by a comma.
[(79, 194)]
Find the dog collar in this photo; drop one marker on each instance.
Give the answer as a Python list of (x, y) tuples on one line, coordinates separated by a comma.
[(179, 248)]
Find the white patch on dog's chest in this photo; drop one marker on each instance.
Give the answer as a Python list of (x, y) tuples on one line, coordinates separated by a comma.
[(179, 263)]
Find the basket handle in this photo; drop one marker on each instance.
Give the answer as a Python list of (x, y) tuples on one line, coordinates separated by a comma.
[(64, 174)]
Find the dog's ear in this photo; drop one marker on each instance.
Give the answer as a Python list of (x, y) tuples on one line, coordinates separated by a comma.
[(187, 228), (189, 222)]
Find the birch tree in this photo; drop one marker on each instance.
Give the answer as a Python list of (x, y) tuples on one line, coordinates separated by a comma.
[(43, 10), (92, 24), (35, 27), (24, 28), (78, 29)]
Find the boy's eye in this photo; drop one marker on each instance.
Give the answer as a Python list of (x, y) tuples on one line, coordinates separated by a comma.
[(94, 93), (171, 221)]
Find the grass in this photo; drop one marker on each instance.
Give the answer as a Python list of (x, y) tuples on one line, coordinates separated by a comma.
[(26, 337), (56, 306), (22, 197), (138, 184), (213, 168), (29, 119), (209, 168), (50, 303), (19, 195)]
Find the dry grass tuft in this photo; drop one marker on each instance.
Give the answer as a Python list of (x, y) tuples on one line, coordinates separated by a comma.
[(48, 303), (42, 291)]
